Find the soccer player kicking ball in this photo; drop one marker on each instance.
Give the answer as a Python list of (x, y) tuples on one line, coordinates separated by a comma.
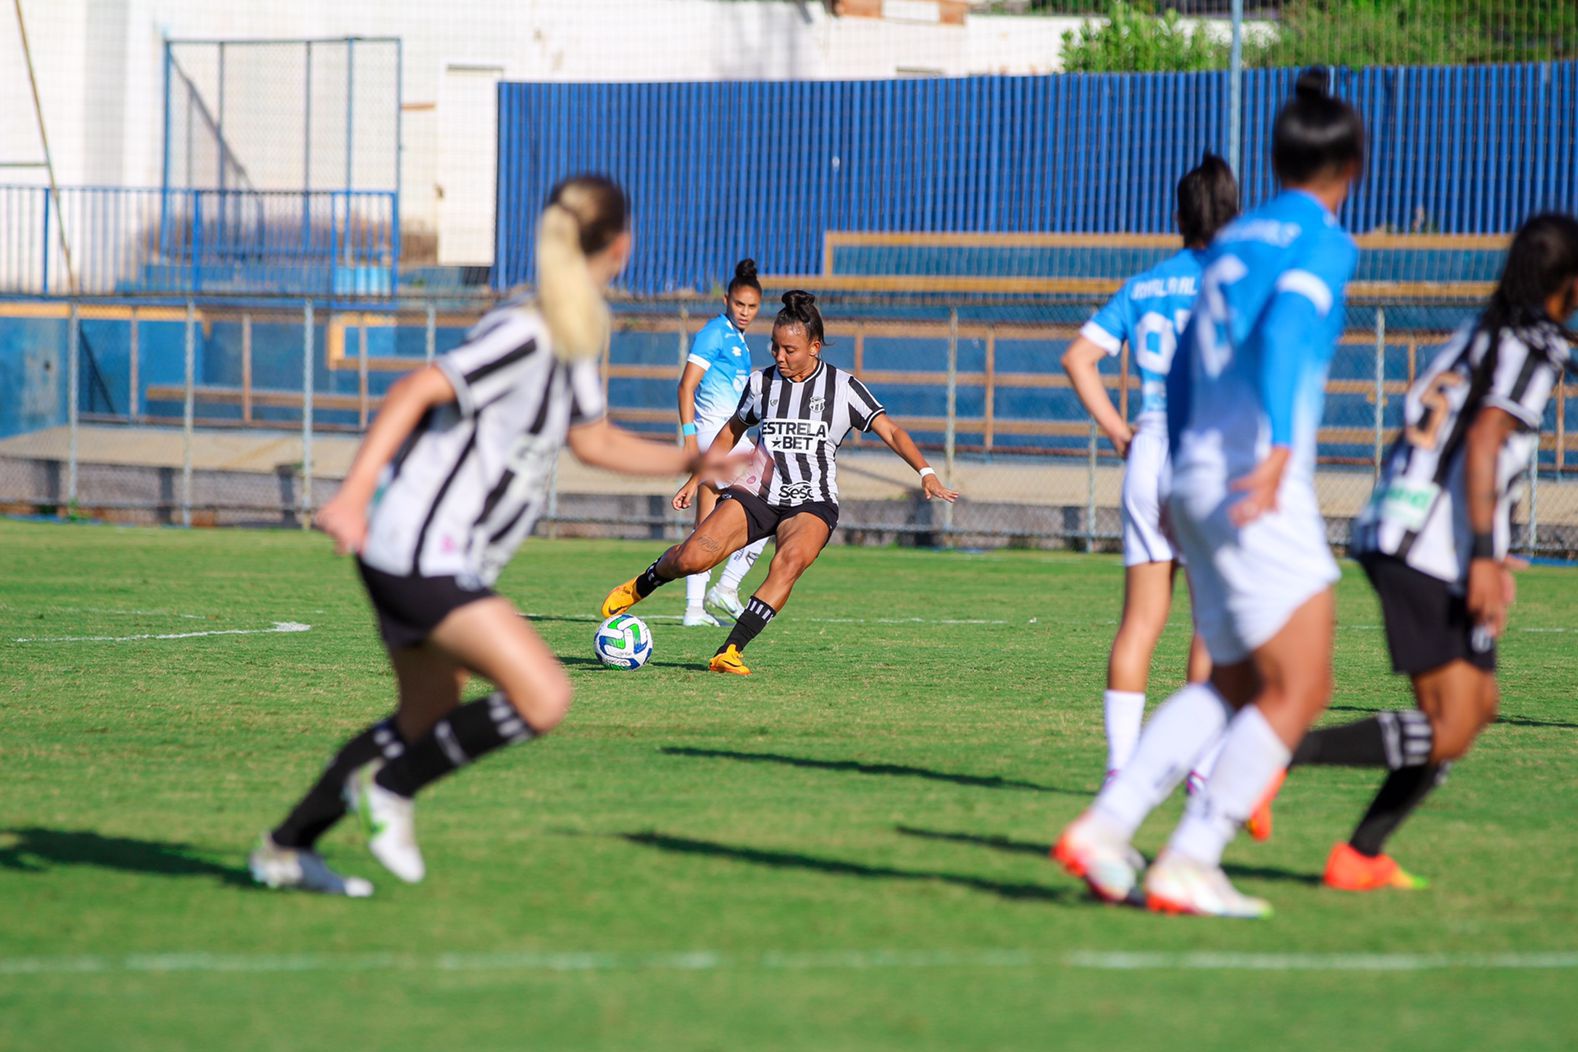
[(1243, 404), (805, 408), (1433, 539), (446, 485)]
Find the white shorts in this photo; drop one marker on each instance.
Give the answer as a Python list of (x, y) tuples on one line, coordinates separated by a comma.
[(707, 430), (1141, 500), (1248, 582)]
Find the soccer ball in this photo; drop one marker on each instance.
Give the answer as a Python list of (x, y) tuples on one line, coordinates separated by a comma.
[(623, 641)]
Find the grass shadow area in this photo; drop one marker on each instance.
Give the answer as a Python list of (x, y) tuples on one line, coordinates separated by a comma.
[(894, 770), (32, 849)]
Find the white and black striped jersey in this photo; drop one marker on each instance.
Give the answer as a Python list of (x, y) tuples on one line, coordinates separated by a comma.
[(801, 427), (467, 486), (1418, 511)]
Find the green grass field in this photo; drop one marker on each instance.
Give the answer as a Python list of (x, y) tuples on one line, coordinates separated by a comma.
[(846, 850)]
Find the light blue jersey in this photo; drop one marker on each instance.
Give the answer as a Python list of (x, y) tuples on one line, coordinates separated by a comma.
[(1256, 352), (721, 350), (1150, 312)]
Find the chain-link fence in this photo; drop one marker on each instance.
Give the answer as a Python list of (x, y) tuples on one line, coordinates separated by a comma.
[(249, 412)]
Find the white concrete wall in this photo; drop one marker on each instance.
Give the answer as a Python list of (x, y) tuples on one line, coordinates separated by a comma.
[(100, 64)]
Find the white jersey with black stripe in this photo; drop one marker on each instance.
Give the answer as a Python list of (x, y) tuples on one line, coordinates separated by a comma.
[(1418, 512), (802, 423), (468, 485)]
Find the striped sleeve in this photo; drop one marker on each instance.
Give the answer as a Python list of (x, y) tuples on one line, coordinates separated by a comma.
[(1522, 382), (749, 411), (494, 356), (863, 406), (586, 393)]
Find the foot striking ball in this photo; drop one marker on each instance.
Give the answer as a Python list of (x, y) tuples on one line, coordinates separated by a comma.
[(623, 641)]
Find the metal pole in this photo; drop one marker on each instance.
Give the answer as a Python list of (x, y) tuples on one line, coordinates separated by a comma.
[(350, 108), (361, 374), (49, 157), (432, 330), (306, 416), (1235, 93), (186, 414), (950, 436), (1380, 383), (246, 367), (1090, 494), (134, 396), (73, 380)]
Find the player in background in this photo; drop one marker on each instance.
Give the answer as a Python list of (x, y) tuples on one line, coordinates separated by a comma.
[(1149, 313), (1433, 539), (715, 374), (1244, 403), (805, 407), (448, 481)]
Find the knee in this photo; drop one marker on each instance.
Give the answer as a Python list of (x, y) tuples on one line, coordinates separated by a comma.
[(543, 706), (1456, 731), (789, 564), (689, 558)]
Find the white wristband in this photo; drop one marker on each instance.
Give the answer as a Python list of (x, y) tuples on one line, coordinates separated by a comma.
[(926, 471)]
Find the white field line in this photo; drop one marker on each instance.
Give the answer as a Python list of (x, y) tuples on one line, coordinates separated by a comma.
[(593, 619), (780, 961), (279, 626)]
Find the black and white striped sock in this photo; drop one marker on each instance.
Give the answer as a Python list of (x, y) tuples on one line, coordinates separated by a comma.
[(650, 579), (752, 621), (1393, 740), (463, 737), (324, 803)]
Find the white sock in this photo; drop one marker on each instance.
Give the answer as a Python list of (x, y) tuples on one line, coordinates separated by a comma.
[(739, 565), (696, 590), (1181, 729), (1124, 711), (1207, 763), (1252, 754)]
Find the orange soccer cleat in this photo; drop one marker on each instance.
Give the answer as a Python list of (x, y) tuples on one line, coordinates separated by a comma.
[(1348, 869), (729, 661), (1259, 824)]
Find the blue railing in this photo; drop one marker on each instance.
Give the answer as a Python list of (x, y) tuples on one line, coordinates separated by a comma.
[(129, 239), (717, 171)]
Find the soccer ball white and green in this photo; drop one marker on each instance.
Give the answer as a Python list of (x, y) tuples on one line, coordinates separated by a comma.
[(623, 641)]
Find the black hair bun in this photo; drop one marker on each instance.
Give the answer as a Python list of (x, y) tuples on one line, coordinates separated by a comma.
[(1210, 162), (799, 300), (745, 270), (1312, 83)]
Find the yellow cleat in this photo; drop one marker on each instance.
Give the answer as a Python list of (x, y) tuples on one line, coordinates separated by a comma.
[(621, 599), (729, 661)]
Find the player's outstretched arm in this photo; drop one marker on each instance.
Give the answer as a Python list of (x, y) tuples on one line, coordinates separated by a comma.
[(900, 442), (724, 442), (344, 517), (600, 444), (1082, 364)]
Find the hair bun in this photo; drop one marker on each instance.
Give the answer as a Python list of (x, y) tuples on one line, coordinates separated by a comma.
[(745, 270), (1312, 83), (798, 300)]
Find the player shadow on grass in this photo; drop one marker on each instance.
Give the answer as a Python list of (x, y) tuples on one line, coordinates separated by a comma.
[(680, 666), (978, 781), (32, 849), (1042, 850), (1512, 721), (844, 868)]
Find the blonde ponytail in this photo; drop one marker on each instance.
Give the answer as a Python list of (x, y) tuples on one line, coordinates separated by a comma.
[(570, 299)]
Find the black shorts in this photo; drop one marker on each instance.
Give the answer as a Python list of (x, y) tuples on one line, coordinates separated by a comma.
[(1427, 624), (409, 607), (762, 519)]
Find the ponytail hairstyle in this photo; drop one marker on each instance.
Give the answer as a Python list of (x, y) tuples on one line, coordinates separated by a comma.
[(1542, 259), (1207, 200), (1315, 133), (584, 215), (800, 309), (745, 277)]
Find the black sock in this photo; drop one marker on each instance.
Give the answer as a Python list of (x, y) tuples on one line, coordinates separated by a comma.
[(464, 736), (649, 580), (1402, 791), (324, 803), (751, 621), (1395, 740)]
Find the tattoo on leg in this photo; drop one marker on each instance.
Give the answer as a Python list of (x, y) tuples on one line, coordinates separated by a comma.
[(710, 545)]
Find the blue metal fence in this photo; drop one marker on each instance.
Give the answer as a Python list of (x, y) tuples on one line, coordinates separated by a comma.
[(126, 239), (721, 170)]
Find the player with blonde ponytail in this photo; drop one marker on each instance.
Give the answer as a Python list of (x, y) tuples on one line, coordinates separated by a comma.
[(448, 482)]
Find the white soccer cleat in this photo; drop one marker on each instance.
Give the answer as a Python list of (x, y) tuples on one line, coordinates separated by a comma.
[(696, 617), (388, 819), (1103, 859), (725, 600), (1179, 884), (283, 867)]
